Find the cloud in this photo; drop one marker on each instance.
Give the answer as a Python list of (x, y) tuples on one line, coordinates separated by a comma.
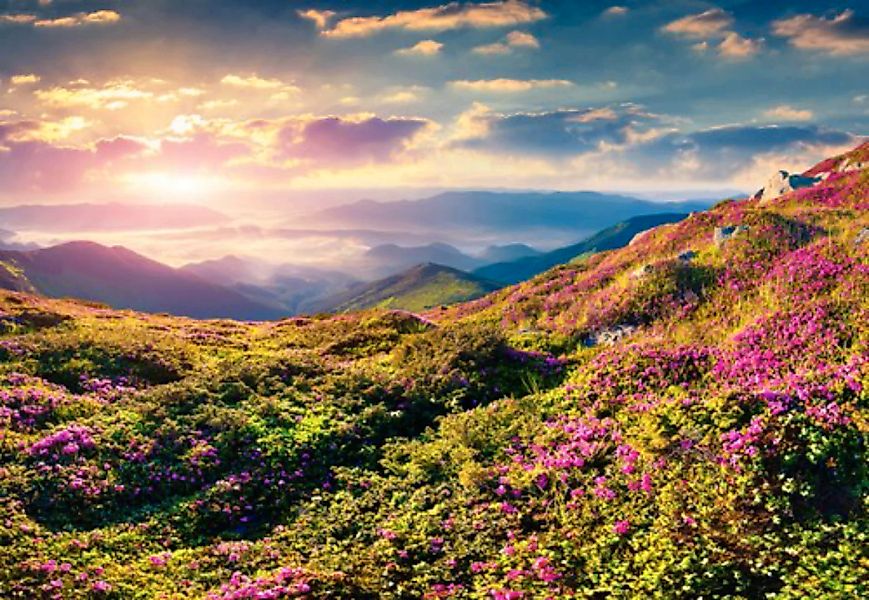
[(320, 18), (455, 15), (32, 161), (423, 48), (347, 141), (279, 90), (405, 95), (514, 39), (252, 81), (710, 23), (721, 153), (17, 18), (25, 79), (614, 11), (504, 85), (561, 133), (522, 39), (840, 35), (99, 17), (735, 46), (714, 24), (113, 95), (784, 112)]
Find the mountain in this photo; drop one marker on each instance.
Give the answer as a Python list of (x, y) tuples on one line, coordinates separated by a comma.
[(108, 217), (682, 417), (506, 253), (123, 279), (613, 237), (293, 288), (500, 212), (388, 259), (418, 288)]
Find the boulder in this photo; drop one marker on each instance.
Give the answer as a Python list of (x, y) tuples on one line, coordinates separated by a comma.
[(850, 164), (722, 234), (782, 182), (610, 336), (687, 256), (862, 237)]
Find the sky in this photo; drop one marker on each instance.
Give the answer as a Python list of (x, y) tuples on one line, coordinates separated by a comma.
[(168, 100)]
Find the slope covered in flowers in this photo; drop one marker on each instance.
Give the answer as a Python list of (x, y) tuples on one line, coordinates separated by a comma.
[(684, 417)]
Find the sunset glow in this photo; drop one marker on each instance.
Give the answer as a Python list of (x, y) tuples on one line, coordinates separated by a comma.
[(325, 95)]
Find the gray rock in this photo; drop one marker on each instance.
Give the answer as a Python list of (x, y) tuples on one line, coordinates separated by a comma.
[(850, 165), (610, 336), (782, 182), (862, 237), (722, 234), (687, 256)]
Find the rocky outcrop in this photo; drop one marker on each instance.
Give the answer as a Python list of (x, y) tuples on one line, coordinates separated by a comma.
[(722, 234), (862, 237), (783, 182), (610, 336)]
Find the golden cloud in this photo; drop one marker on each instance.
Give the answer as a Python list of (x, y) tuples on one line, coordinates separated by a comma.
[(423, 48), (785, 112), (504, 85), (454, 15), (26, 79), (99, 17), (842, 34), (735, 46), (710, 23)]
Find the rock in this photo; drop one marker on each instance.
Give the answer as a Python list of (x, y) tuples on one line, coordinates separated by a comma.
[(610, 336), (850, 164), (687, 256), (782, 183), (862, 237), (722, 234), (642, 272)]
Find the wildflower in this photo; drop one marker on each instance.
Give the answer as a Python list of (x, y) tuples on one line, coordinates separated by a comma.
[(622, 527)]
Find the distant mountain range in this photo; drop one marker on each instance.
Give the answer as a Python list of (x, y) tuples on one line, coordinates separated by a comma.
[(613, 237), (123, 279), (108, 217), (389, 259), (248, 288), (419, 288), (501, 212), (292, 288)]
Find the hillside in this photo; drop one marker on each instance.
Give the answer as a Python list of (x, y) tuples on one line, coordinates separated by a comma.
[(419, 288), (610, 238), (683, 417), (123, 279)]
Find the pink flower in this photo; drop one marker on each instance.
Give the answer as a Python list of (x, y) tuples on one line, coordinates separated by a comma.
[(622, 527), (101, 586)]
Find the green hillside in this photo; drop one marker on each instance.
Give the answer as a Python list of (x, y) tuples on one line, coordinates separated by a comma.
[(419, 288), (684, 417)]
